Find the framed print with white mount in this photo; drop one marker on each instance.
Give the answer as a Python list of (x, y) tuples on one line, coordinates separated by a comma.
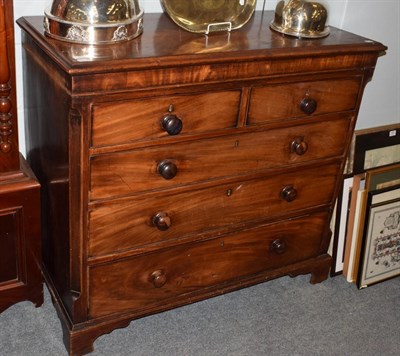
[(380, 256)]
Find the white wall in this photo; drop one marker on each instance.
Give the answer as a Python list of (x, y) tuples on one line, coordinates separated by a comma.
[(374, 19), (378, 20)]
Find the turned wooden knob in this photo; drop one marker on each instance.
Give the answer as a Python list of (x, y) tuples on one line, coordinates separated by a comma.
[(167, 169), (278, 246), (308, 106), (161, 221), (158, 278), (289, 193), (299, 146), (172, 124)]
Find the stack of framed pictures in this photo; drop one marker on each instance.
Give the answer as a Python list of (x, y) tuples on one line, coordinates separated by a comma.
[(380, 251), (366, 223)]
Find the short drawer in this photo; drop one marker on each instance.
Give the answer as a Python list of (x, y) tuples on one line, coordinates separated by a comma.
[(285, 101), (154, 279), (186, 163), (122, 225), (146, 119)]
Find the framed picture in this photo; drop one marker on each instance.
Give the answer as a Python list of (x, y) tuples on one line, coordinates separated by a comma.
[(381, 178), (380, 254), (339, 225), (355, 228), (373, 148)]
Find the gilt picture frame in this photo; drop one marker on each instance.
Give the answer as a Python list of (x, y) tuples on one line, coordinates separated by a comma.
[(384, 177)]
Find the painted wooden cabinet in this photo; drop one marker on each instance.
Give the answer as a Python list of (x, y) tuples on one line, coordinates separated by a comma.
[(20, 243)]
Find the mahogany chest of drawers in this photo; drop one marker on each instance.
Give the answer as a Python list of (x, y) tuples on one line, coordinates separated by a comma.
[(176, 167)]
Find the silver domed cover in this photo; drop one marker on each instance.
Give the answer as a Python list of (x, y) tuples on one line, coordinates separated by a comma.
[(94, 21)]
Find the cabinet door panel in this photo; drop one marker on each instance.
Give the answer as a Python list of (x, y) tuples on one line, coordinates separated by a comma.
[(9, 246)]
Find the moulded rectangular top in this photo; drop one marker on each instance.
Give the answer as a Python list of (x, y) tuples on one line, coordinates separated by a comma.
[(164, 44)]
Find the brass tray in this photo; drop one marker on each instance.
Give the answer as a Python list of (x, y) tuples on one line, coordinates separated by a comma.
[(205, 16)]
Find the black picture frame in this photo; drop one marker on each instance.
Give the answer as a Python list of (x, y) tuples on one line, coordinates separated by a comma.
[(366, 140)]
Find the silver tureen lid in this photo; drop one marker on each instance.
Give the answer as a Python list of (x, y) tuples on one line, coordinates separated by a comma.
[(94, 21)]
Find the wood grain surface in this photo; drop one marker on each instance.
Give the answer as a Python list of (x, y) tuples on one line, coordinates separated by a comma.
[(240, 190)]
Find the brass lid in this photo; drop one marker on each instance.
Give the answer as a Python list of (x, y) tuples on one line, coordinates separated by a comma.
[(93, 21), (205, 16), (300, 18)]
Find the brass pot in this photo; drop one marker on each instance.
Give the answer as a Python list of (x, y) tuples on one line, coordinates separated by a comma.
[(94, 21), (300, 18), (205, 16)]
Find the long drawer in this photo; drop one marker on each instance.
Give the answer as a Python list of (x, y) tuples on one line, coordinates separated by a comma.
[(186, 163), (142, 119), (285, 101), (121, 225), (153, 279)]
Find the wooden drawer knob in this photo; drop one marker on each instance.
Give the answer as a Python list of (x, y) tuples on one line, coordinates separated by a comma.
[(158, 278), (289, 193), (161, 221), (167, 169), (299, 146), (172, 124), (308, 106), (278, 246)]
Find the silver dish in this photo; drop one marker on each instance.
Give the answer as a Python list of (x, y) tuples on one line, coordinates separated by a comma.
[(300, 18), (94, 21), (205, 16)]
